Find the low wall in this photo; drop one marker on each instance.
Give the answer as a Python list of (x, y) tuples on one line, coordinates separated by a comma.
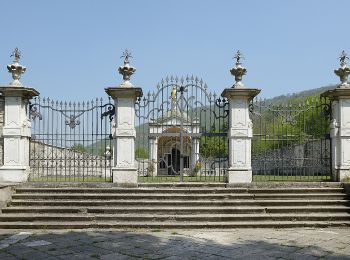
[(6, 191), (50, 160), (312, 157)]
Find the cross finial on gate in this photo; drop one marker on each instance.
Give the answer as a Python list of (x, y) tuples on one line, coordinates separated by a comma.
[(343, 58), (344, 71), (127, 70), (238, 71), (16, 69)]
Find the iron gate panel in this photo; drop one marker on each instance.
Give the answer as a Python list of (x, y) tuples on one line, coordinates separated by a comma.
[(71, 141), (291, 141), (181, 133)]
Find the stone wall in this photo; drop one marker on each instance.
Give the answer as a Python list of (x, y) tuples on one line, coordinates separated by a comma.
[(50, 160), (310, 158)]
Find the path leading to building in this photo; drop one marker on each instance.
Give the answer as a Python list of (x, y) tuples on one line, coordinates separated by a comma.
[(307, 243)]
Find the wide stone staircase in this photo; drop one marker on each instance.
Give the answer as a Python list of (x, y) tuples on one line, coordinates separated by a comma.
[(161, 206)]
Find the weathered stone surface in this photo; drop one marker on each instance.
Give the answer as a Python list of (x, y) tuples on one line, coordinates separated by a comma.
[(296, 243)]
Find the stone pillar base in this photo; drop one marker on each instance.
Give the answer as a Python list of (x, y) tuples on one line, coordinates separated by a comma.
[(14, 174), (342, 174), (239, 176), (123, 177)]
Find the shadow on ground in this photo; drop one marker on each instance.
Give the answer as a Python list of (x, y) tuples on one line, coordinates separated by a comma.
[(156, 244)]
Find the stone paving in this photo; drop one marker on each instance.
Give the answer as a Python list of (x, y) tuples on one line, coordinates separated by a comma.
[(307, 243)]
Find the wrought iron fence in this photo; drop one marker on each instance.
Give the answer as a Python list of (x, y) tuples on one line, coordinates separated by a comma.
[(71, 141), (291, 141), (181, 133)]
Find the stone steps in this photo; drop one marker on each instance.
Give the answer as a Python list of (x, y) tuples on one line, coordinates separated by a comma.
[(177, 210), (194, 190), (226, 202), (167, 217), (196, 206), (184, 196), (170, 225)]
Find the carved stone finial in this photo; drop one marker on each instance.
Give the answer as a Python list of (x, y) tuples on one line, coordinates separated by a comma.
[(238, 71), (344, 71), (127, 70), (16, 69)]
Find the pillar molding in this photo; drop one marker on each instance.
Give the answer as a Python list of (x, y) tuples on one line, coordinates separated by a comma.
[(124, 169), (16, 133), (240, 134), (340, 132)]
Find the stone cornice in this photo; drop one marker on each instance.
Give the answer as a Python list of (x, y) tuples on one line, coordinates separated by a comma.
[(335, 94), (10, 91), (248, 93), (117, 92)]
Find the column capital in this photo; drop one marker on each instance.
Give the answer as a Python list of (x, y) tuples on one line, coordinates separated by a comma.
[(245, 93)]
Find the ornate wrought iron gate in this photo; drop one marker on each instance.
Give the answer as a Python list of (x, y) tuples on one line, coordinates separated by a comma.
[(291, 141), (71, 141), (181, 133)]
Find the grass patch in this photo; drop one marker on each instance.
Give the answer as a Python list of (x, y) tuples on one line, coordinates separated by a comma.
[(157, 179), (156, 230), (265, 178), (70, 179)]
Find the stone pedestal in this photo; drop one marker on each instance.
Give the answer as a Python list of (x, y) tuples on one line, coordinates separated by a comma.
[(340, 132), (240, 134), (16, 133), (124, 169)]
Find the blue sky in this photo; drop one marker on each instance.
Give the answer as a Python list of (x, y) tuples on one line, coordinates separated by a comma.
[(72, 48)]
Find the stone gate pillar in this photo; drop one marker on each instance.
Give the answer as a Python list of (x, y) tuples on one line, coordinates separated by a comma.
[(340, 122), (124, 169), (240, 130), (16, 129)]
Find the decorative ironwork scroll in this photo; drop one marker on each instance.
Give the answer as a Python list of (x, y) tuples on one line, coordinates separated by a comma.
[(71, 140)]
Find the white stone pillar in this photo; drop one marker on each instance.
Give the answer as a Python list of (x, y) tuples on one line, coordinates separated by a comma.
[(195, 155), (124, 169), (340, 122), (16, 133), (240, 134), (194, 151), (340, 132), (153, 156)]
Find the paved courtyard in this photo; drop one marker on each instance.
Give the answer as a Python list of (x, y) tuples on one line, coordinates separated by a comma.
[(176, 244)]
